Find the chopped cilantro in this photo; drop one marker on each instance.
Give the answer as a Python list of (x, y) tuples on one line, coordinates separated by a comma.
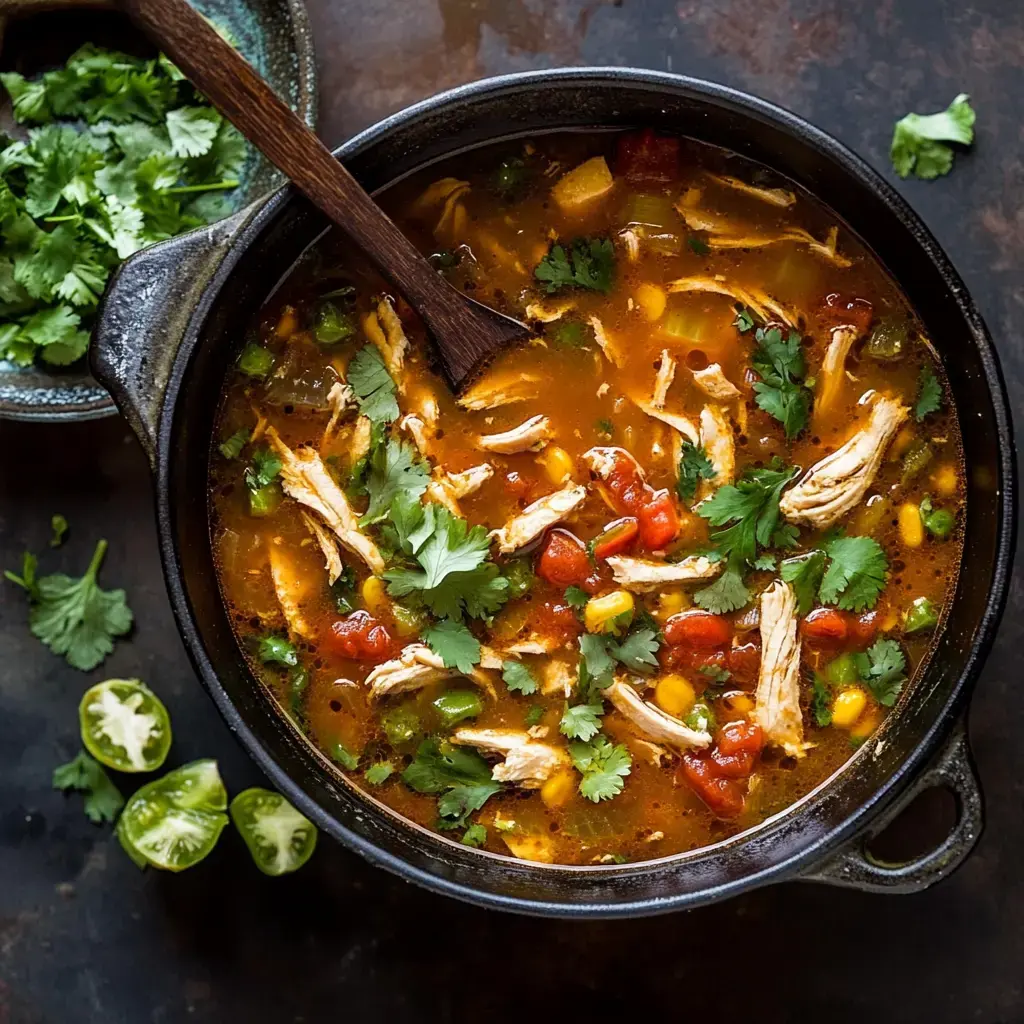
[(605, 428), (766, 563), (475, 835), (344, 756), (103, 800), (780, 392), (821, 701), (697, 245), (453, 643), (576, 597), (744, 320), (716, 674), (882, 667), (856, 573), (581, 722), (571, 333), (638, 651), (274, 649), (921, 142), (534, 715), (804, 573), (59, 526), (394, 468), (263, 469), (461, 777), (602, 765), (589, 263), (74, 617), (232, 447), (727, 594), (379, 772), (372, 385), (929, 394), (694, 465), (518, 678)]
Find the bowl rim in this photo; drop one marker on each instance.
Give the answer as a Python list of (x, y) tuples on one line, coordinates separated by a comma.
[(809, 853)]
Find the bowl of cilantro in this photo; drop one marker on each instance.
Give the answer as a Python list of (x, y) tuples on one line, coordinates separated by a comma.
[(107, 149)]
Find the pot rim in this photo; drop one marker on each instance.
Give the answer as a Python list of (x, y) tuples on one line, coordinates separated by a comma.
[(926, 745)]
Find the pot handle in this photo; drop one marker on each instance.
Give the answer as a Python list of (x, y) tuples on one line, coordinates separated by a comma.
[(854, 867), (145, 313)]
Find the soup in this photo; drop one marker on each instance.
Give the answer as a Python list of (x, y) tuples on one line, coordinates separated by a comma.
[(651, 578)]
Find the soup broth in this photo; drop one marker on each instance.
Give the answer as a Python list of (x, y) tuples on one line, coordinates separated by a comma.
[(652, 577)]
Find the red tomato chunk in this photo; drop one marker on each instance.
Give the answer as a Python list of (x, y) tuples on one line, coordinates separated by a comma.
[(724, 796), (564, 561), (824, 627), (360, 637), (644, 156), (697, 628), (656, 510)]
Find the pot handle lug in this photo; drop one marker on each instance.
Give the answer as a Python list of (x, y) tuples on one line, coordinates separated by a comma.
[(854, 867), (145, 313)]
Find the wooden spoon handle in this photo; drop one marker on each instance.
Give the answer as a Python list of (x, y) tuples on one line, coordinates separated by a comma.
[(233, 86)]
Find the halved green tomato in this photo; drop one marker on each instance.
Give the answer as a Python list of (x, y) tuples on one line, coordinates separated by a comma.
[(279, 838), (174, 822), (124, 725)]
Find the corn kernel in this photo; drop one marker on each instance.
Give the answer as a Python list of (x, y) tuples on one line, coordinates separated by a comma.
[(374, 596), (848, 706), (738, 703), (903, 440), (911, 527), (557, 791), (601, 612), (675, 695), (651, 299), (867, 724), (672, 602), (578, 187), (944, 480), (287, 324), (557, 464)]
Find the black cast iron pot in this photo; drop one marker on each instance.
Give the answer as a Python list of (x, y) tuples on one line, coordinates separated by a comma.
[(174, 319)]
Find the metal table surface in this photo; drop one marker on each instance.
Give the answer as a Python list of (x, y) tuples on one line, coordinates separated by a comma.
[(85, 936)]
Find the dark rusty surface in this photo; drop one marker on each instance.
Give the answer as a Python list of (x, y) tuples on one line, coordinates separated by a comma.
[(85, 937)]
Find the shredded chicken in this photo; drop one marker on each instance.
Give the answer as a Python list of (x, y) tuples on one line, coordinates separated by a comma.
[(525, 761), (544, 313), (631, 241), (759, 303), (833, 368), (385, 330), (680, 424), (655, 754), (535, 643), (359, 442), (498, 389), (774, 196), (446, 193), (323, 537), (827, 248), (712, 381), (608, 347), (530, 436), (469, 481), (339, 400), (777, 701), (652, 721), (666, 374), (833, 486), (557, 676), (536, 518), (305, 478), (292, 588), (643, 574), (418, 431), (415, 667), (717, 440)]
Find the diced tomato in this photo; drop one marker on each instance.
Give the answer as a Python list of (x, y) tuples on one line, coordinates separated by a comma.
[(745, 662), (564, 561), (626, 485), (697, 628), (616, 537), (361, 637), (519, 486), (659, 521), (724, 796), (692, 662), (841, 309), (738, 745), (644, 156), (552, 618), (863, 629), (825, 627)]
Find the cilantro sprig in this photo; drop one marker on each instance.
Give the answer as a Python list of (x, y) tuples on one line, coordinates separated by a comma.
[(781, 391), (856, 574), (372, 385), (124, 153), (461, 778), (603, 765), (883, 668), (586, 263), (929, 394), (921, 143), (694, 466), (83, 774), (453, 643), (393, 469)]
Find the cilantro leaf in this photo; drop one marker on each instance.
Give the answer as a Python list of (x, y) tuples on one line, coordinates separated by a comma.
[(461, 776), (232, 447), (581, 722), (103, 800), (344, 757), (263, 469), (75, 617), (602, 765), (475, 835), (453, 644), (882, 667), (277, 650), (727, 594), (458, 803), (694, 466), (379, 772), (597, 658), (393, 469), (454, 577), (929, 394), (821, 701), (744, 320), (766, 563), (192, 130), (804, 573), (534, 715), (752, 506), (373, 387), (856, 574), (576, 597), (589, 263), (920, 142), (518, 677), (781, 392), (638, 651)]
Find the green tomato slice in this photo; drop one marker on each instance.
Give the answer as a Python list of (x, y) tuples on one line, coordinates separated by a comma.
[(125, 726), (175, 821), (279, 838)]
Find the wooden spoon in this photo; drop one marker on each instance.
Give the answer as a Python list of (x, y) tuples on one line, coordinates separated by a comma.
[(466, 332)]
